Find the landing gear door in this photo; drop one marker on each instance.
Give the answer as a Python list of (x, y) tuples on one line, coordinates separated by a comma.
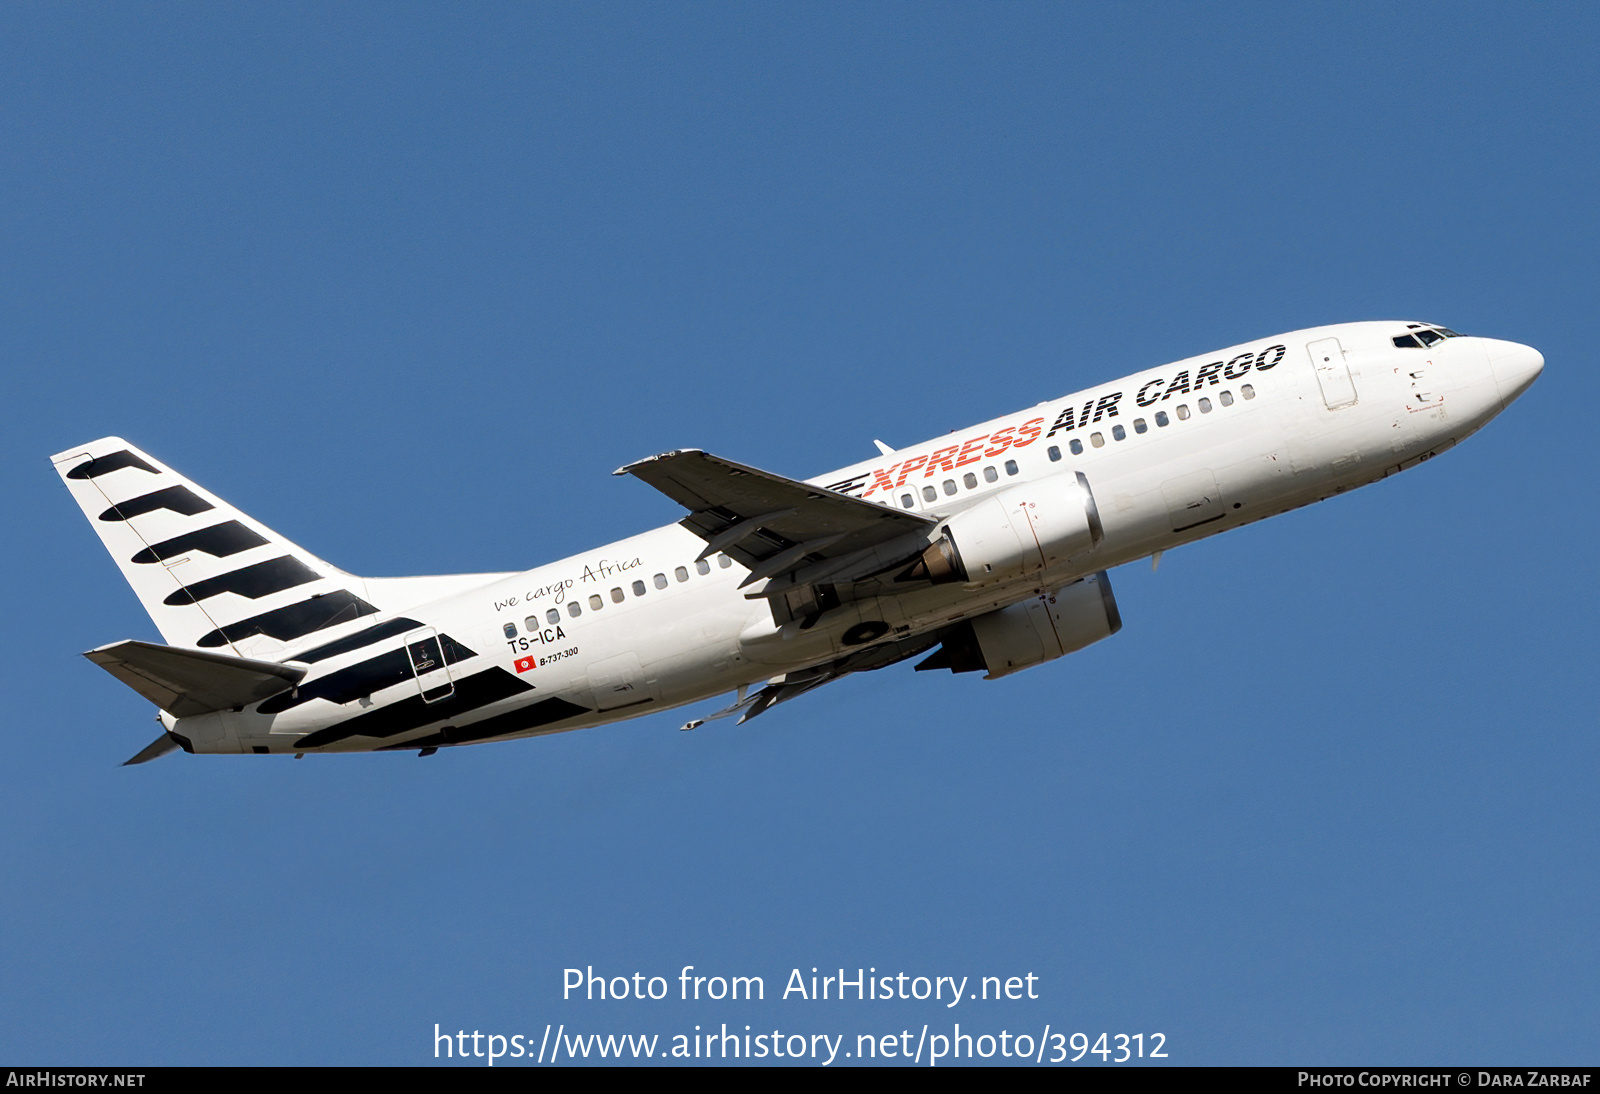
[(427, 664), (1333, 375)]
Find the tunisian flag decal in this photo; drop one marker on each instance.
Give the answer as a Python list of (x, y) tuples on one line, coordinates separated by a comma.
[(525, 663)]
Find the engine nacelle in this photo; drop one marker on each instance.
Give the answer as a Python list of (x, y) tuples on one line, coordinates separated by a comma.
[(1032, 632), (1018, 532)]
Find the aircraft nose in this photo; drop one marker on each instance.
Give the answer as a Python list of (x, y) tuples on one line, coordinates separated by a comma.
[(1514, 365)]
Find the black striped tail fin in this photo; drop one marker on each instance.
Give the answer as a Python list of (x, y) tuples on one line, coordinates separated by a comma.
[(210, 577)]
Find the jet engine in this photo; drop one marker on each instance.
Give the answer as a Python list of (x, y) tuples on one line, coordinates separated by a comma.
[(1032, 632), (1018, 532)]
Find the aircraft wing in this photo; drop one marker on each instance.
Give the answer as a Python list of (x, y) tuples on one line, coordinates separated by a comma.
[(186, 682), (774, 525), (792, 685)]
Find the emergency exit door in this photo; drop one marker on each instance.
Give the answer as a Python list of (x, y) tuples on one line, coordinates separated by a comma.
[(428, 665)]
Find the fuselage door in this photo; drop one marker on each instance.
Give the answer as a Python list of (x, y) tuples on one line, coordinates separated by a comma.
[(1333, 375), (427, 664)]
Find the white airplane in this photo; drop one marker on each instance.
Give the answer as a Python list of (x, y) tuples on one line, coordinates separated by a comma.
[(988, 546)]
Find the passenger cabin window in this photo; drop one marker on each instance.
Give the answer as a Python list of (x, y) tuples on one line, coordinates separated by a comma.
[(1118, 433), (702, 567), (1097, 439), (616, 596), (681, 573), (638, 587), (990, 474), (1011, 467), (907, 501), (510, 630), (1183, 413), (594, 602), (1205, 405), (949, 486), (661, 580), (574, 609), (970, 481), (1140, 425), (1161, 418), (1055, 454), (724, 561), (552, 616), (1076, 446), (1248, 391), (929, 494), (1225, 398)]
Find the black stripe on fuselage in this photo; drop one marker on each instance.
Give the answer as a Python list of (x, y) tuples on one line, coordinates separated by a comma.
[(355, 641), (104, 465), (472, 692), (543, 713), (219, 541), (255, 582), (361, 679), (294, 621), (180, 499), (348, 684)]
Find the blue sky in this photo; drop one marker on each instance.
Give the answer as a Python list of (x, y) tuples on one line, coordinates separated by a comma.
[(407, 282)]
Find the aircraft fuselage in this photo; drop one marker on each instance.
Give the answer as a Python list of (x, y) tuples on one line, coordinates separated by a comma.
[(1130, 468)]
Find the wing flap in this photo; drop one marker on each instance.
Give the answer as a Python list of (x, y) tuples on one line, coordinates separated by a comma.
[(792, 685), (154, 750), (185, 682)]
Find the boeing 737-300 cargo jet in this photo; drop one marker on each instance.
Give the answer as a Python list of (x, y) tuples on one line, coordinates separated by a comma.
[(985, 550)]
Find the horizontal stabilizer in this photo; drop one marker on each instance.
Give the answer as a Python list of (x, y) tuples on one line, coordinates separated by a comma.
[(185, 683)]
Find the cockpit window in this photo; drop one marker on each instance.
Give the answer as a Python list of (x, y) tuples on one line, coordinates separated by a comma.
[(1423, 336)]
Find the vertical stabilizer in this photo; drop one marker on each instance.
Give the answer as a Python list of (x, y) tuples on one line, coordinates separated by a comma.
[(210, 577)]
